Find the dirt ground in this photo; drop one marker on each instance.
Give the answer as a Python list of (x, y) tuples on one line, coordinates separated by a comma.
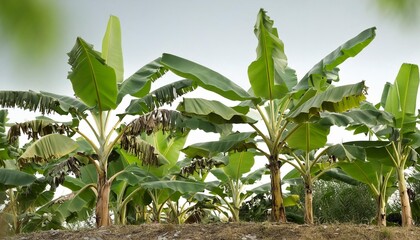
[(220, 231)]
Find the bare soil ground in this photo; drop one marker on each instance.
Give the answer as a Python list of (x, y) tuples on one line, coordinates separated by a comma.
[(241, 231)]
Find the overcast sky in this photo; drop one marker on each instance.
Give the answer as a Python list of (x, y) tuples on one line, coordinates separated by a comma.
[(219, 34)]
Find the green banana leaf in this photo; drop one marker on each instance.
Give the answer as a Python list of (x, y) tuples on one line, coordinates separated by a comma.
[(176, 185), (269, 75), (373, 151), (167, 145), (67, 104), (325, 70), (157, 98), (413, 138), (139, 84), (72, 183), (53, 146), (213, 111), (40, 127), (84, 197), (93, 81), (214, 186), (234, 141), (239, 164), (44, 198), (88, 174), (204, 77), (195, 123), (368, 172), (15, 178), (401, 97), (254, 176), (220, 175), (292, 177), (308, 136), (80, 205), (362, 116), (368, 167), (334, 99), (111, 47), (340, 175), (43, 102), (77, 204)]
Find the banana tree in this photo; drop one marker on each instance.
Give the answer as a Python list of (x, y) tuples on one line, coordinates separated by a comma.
[(233, 180), (282, 103), (21, 192), (400, 100), (161, 185), (309, 167), (400, 138), (237, 162), (310, 157), (365, 164), (97, 81)]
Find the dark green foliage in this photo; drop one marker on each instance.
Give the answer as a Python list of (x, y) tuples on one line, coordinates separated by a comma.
[(414, 194), (413, 188), (335, 201), (341, 202), (256, 209)]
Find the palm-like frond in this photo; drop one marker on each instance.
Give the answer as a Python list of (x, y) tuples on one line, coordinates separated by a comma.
[(326, 70), (141, 149), (138, 84), (29, 100), (93, 81), (161, 119), (38, 128), (158, 120), (205, 77), (335, 99), (163, 95), (200, 166), (68, 104), (50, 147), (43, 102), (269, 75), (59, 171)]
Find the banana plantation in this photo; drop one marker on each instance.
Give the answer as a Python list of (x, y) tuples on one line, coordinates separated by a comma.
[(121, 157)]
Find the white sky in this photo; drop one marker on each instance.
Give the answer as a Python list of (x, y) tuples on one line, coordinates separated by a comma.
[(219, 34)]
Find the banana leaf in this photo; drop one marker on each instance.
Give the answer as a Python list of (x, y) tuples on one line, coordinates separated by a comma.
[(111, 47), (204, 77), (53, 146), (212, 111), (326, 70), (93, 81), (269, 75), (139, 84)]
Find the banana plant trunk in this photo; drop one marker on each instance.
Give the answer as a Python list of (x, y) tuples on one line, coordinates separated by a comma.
[(120, 218), (381, 212), (407, 219), (309, 215), (102, 211), (278, 213)]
